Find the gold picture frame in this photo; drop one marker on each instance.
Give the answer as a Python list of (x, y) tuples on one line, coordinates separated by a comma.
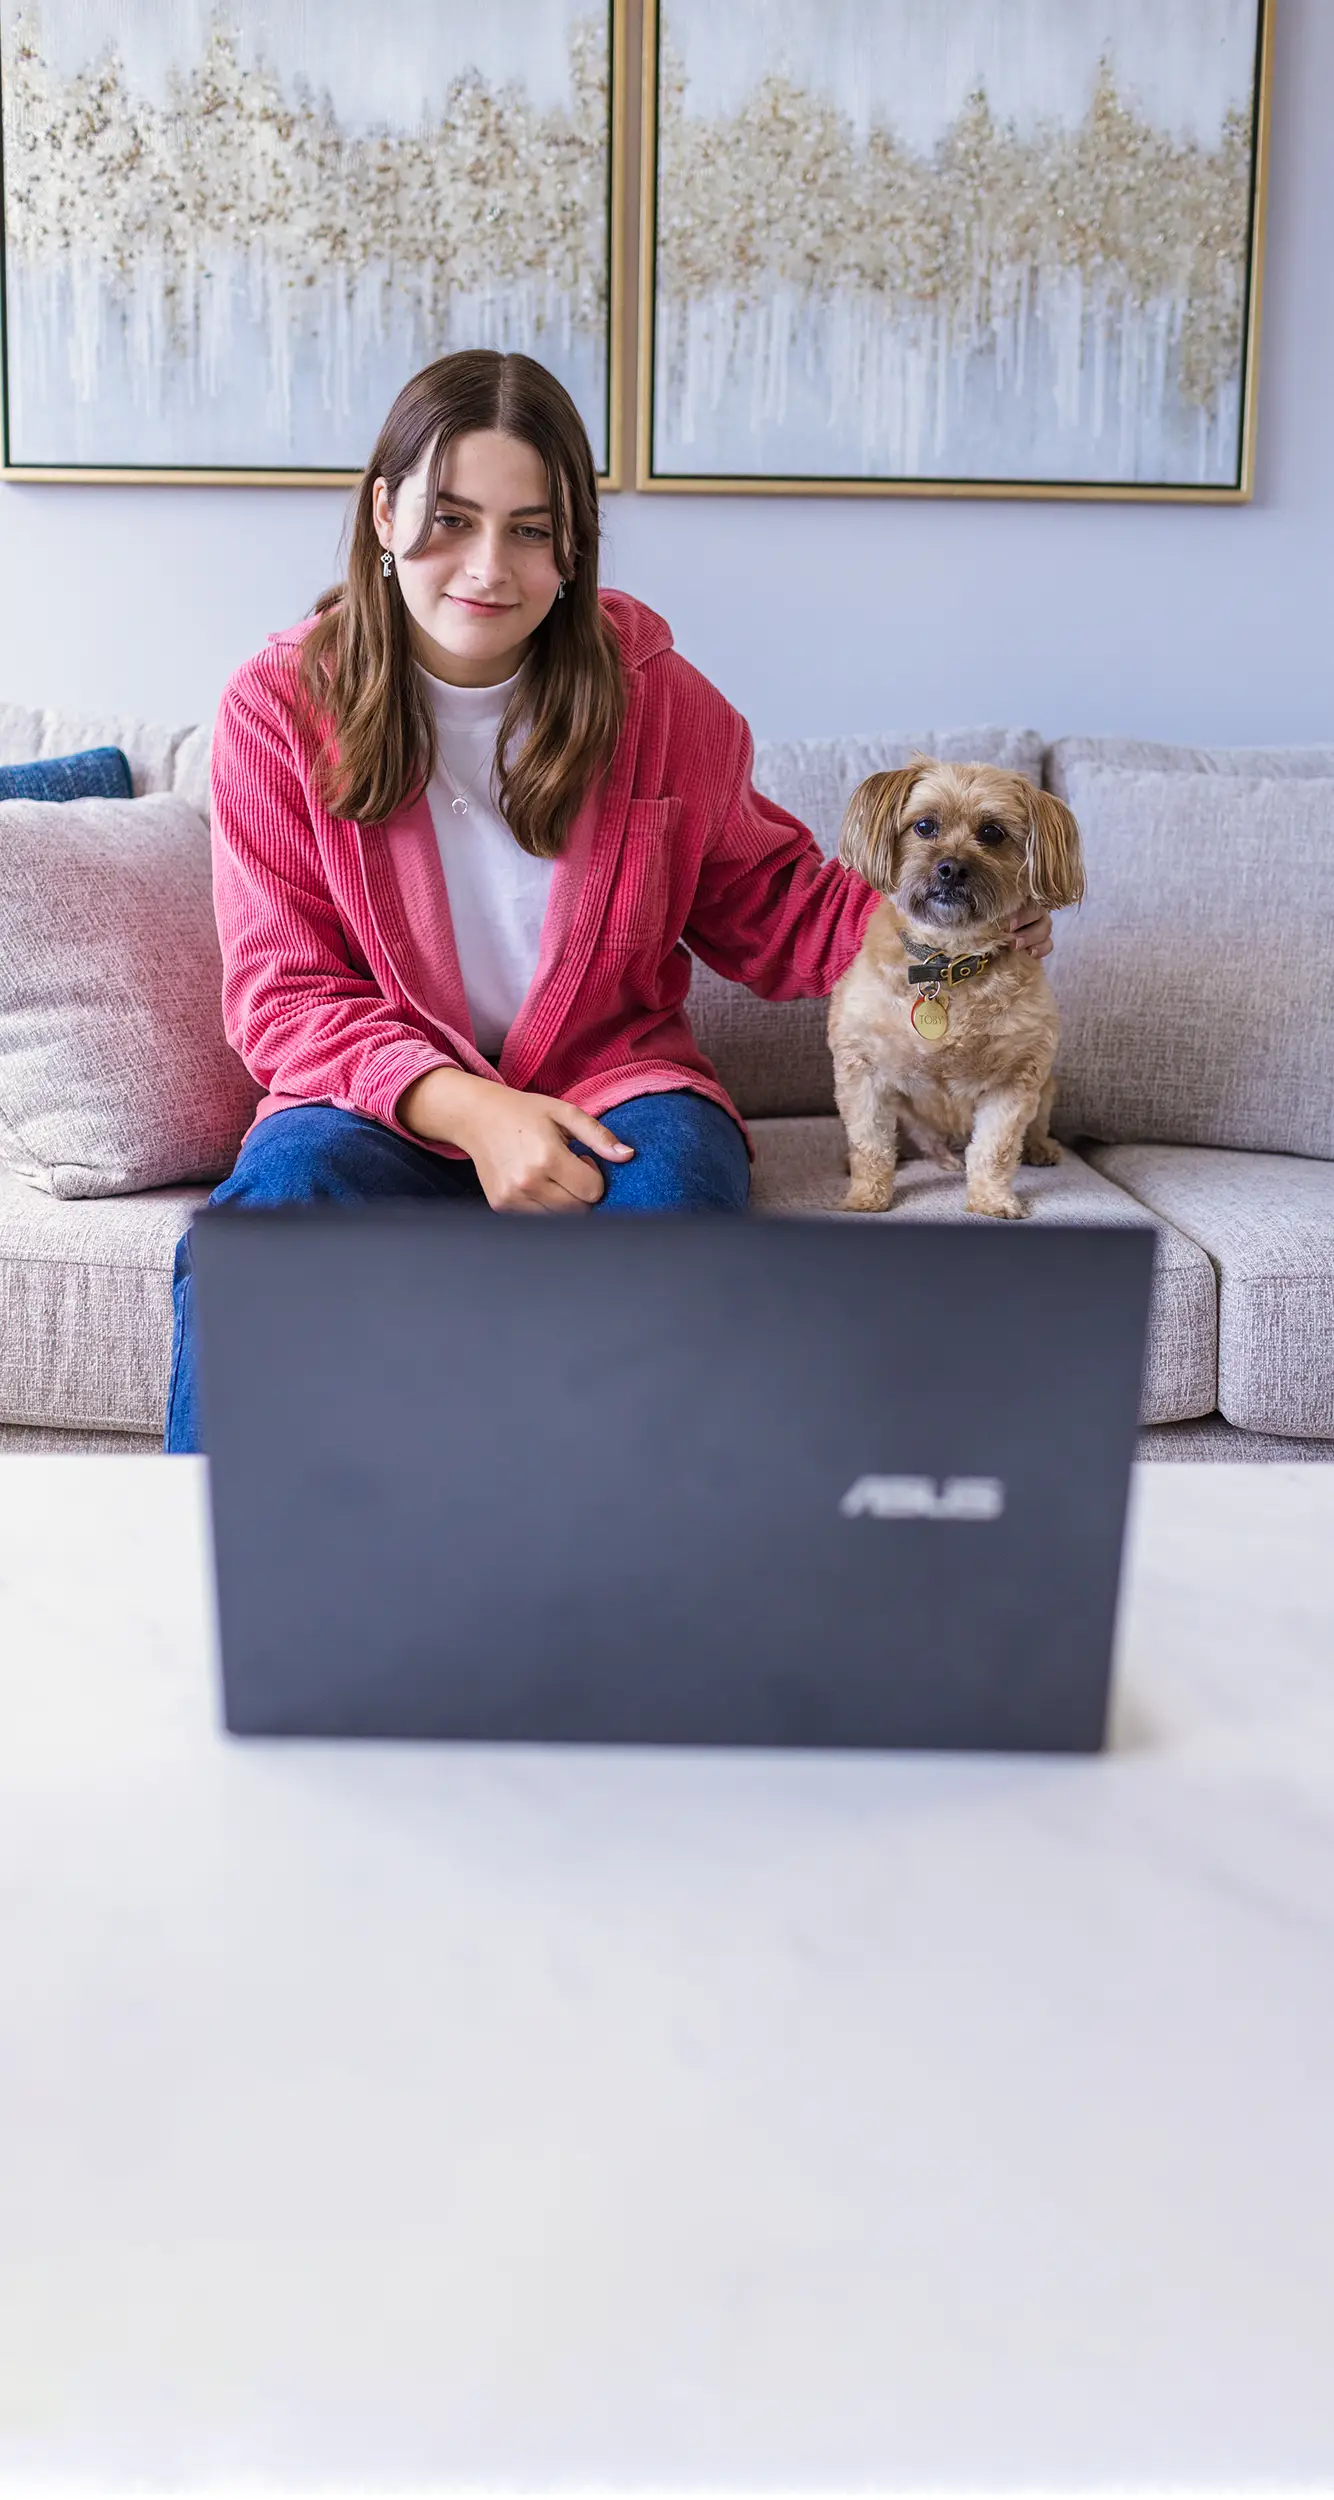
[(614, 328), (650, 478)]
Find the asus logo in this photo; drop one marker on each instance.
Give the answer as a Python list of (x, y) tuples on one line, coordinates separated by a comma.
[(919, 1497)]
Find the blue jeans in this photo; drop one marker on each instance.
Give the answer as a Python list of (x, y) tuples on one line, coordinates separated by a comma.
[(688, 1154)]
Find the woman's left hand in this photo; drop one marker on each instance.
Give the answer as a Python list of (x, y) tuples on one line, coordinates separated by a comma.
[(1031, 932)]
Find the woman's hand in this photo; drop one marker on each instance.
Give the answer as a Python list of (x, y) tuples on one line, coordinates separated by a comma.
[(1030, 932), (517, 1140)]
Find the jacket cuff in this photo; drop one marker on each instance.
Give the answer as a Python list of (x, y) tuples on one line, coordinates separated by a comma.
[(387, 1079)]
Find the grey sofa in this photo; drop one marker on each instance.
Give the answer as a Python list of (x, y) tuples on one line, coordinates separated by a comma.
[(1241, 1358)]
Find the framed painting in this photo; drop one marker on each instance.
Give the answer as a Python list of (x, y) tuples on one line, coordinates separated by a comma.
[(232, 231), (959, 249)]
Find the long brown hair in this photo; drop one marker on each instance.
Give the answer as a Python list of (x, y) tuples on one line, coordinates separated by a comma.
[(356, 661)]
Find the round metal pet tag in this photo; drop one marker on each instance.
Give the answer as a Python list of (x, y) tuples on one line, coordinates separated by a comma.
[(931, 1018)]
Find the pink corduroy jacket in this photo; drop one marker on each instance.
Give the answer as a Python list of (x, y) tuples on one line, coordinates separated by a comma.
[(341, 980)]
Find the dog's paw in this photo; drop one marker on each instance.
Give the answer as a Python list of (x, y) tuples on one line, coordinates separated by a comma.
[(1043, 1150), (1000, 1202), (869, 1198)]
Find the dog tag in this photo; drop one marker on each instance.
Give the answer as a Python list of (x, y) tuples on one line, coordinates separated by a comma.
[(931, 1018)]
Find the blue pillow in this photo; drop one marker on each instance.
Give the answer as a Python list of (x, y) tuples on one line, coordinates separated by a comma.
[(99, 773)]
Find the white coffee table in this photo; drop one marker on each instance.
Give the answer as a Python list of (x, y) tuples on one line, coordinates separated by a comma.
[(393, 2118)]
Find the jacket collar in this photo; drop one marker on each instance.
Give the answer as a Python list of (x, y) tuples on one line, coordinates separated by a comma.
[(640, 631)]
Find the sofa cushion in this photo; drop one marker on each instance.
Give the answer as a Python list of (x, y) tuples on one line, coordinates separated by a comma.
[(1194, 983), (799, 1170), (1145, 755), (159, 758), (85, 1306), (773, 1058), (85, 1284), (1267, 1222), (48, 1441), (115, 1072), (190, 770)]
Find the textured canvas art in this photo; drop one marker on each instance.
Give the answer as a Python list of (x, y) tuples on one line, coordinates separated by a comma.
[(1006, 241), (232, 231)]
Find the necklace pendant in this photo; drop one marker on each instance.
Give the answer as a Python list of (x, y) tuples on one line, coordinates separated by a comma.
[(459, 807)]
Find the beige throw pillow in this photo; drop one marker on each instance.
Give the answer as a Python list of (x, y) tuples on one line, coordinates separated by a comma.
[(115, 1072), (1197, 1006)]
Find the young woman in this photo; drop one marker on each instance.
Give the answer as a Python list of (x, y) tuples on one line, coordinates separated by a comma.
[(467, 820)]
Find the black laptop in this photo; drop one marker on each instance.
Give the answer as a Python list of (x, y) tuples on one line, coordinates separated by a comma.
[(667, 1479)]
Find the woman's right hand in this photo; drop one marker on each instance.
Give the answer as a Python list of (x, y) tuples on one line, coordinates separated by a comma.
[(516, 1140)]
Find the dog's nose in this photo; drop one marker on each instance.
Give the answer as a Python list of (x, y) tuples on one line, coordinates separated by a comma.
[(950, 872)]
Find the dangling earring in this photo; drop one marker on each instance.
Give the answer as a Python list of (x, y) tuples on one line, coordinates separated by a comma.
[(386, 562), (561, 592)]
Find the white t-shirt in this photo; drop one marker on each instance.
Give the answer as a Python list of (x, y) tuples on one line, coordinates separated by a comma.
[(497, 892)]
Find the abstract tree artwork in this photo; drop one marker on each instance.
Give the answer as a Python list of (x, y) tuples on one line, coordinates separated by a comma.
[(975, 246), (994, 245), (232, 232)]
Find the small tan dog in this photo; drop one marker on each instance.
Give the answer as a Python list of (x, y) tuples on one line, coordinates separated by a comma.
[(939, 1030)]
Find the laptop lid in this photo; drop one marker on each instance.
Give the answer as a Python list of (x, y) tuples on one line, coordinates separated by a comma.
[(667, 1479)]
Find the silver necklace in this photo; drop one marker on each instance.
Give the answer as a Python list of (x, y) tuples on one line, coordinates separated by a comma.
[(459, 804)]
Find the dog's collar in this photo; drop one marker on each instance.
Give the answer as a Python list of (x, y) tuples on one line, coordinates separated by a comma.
[(931, 966)]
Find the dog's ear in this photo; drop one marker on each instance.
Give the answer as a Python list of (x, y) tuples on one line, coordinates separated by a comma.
[(866, 842), (1055, 856)]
